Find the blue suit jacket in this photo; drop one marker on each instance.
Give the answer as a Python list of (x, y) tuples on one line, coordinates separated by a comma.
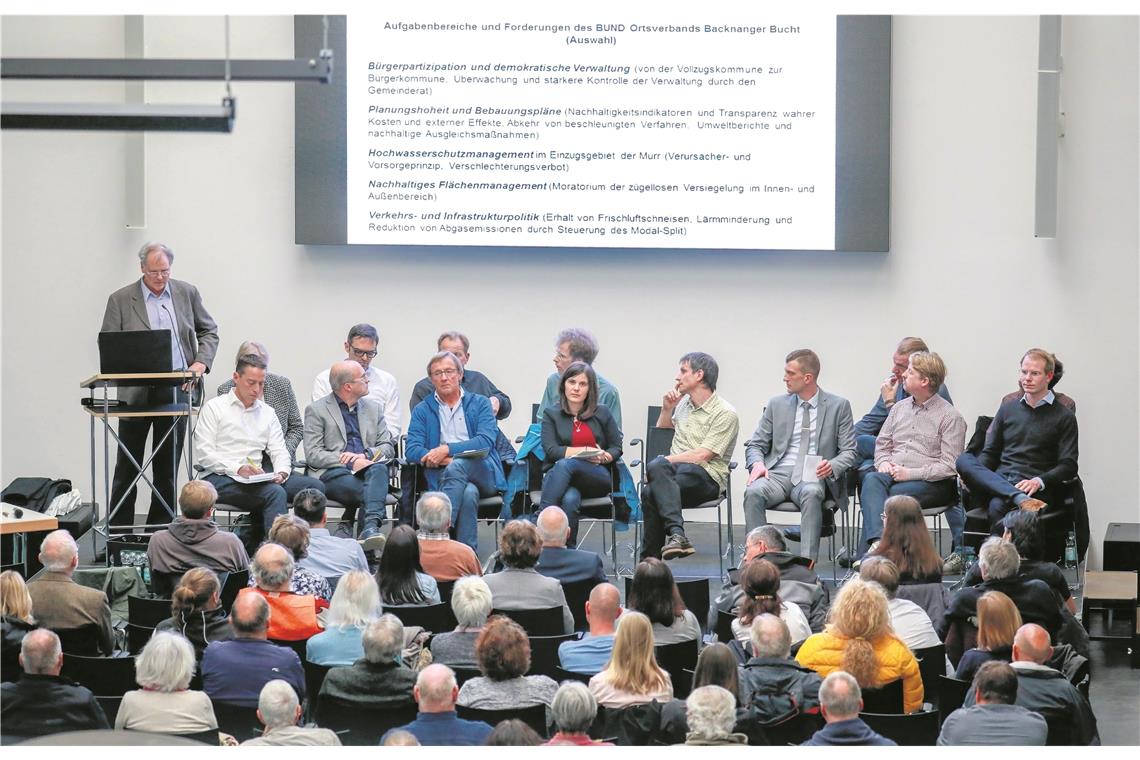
[(423, 435), (570, 565)]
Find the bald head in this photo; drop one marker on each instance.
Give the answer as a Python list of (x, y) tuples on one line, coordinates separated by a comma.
[(1031, 644), (435, 689), (343, 373), (40, 653), (603, 608), (59, 553), (272, 567), (250, 616), (770, 637), (553, 527)]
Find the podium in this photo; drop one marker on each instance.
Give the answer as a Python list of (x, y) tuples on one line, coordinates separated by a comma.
[(101, 408)]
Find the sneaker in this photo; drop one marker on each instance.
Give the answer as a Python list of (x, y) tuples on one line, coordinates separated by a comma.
[(343, 530), (955, 564), (843, 558), (1032, 505), (677, 546), (372, 540)]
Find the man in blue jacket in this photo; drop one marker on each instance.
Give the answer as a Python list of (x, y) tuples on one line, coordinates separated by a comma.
[(840, 700), (452, 435)]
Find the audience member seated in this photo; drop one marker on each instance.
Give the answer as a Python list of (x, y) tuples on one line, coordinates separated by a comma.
[(196, 611), (995, 719), (909, 621), (513, 733), (16, 603), (355, 604), (471, 604), (562, 563), (1047, 692), (293, 533), (403, 582), (906, 542), (711, 714), (363, 340), (1062, 399), (574, 424), (798, 582), (1023, 530), (43, 702), (590, 653), (998, 621), (379, 679), (473, 382), (574, 710), (859, 640), (520, 586), (441, 557), (63, 605), (329, 556), (235, 671), (999, 563), (760, 582), (437, 723), (294, 615), (773, 686), (502, 652), (193, 538), (654, 594), (632, 676), (577, 345), (452, 435), (840, 701), (716, 666), (279, 711), (398, 737), (165, 704)]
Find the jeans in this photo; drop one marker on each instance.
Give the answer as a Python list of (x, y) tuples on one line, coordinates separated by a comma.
[(669, 486), (865, 453), (297, 483), (268, 497), (567, 482), (877, 486), (777, 488), (371, 490), (997, 486), (164, 466), (454, 481)]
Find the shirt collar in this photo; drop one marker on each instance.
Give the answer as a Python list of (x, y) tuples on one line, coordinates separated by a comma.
[(1029, 665), (342, 405), (237, 401), (813, 402), (1049, 398), (149, 294), (440, 401)]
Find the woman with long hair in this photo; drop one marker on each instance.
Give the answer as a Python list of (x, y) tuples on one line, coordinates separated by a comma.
[(655, 595), (355, 604), (16, 604), (196, 610), (760, 584), (716, 666), (632, 676), (907, 543), (859, 639), (998, 621), (402, 580)]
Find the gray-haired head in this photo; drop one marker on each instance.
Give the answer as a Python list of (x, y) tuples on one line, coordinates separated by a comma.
[(272, 566), (698, 360), (573, 708), (59, 552), (398, 737), (771, 536), (444, 357), (383, 639), (582, 345), (998, 559), (433, 511), (255, 348), (356, 601), (41, 653), (840, 696), (553, 526), (770, 637), (166, 663), (711, 712), (471, 601), (453, 335), (249, 616), (435, 688), (149, 248), (277, 705)]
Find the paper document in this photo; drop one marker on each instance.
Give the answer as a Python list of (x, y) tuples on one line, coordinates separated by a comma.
[(263, 477), (587, 454), (810, 463), (370, 465), (473, 454)]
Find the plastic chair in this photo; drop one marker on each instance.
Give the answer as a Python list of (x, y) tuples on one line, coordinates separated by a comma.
[(951, 694), (724, 626), (314, 678), (885, 700), (534, 716), (104, 676), (544, 653), (236, 720), (147, 612), (437, 618), (231, 586), (577, 594), (364, 725), (931, 664), (537, 622), (674, 659), (919, 729)]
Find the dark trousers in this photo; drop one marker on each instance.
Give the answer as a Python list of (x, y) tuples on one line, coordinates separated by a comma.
[(878, 487), (567, 482), (133, 433), (297, 483), (996, 488), (268, 498), (371, 491), (669, 486)]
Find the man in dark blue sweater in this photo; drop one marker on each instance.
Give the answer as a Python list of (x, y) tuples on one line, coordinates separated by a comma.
[(840, 700), (437, 724), (1031, 446)]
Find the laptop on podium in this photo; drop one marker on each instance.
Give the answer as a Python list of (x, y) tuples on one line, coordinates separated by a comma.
[(129, 352)]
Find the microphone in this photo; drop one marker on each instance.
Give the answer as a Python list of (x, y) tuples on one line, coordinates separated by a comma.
[(174, 335)]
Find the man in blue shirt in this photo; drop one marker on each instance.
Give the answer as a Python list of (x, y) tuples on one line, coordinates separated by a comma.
[(591, 653), (438, 725), (235, 671)]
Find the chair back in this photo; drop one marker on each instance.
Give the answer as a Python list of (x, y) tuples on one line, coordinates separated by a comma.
[(577, 594), (544, 653), (796, 729), (560, 675), (104, 676), (463, 675), (145, 612), (137, 637), (633, 726), (162, 583), (233, 584), (951, 694), (724, 626), (918, 729), (82, 640), (674, 659), (110, 706), (931, 664), (437, 618), (209, 737), (695, 595), (886, 699), (364, 725), (238, 721), (534, 716), (445, 590), (314, 678), (536, 622), (657, 440)]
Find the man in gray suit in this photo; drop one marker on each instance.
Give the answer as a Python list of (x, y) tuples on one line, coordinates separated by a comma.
[(157, 302), (345, 433), (801, 450)]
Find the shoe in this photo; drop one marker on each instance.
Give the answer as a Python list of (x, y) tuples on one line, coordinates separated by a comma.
[(843, 559), (372, 540), (677, 546), (1032, 505), (344, 530), (793, 533), (955, 564)]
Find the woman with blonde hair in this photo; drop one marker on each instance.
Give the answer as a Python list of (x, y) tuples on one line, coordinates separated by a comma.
[(859, 639), (17, 609), (632, 676), (355, 604), (998, 621), (196, 610)]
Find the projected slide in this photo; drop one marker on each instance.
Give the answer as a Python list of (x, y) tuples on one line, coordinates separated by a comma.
[(558, 126)]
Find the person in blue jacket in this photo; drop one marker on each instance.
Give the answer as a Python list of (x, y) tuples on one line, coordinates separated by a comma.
[(452, 435)]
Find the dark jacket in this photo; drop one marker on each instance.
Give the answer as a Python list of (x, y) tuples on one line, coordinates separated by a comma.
[(12, 638), (570, 565), (847, 733), (446, 729), (933, 598), (370, 684), (234, 671), (201, 628), (558, 427), (1065, 709), (423, 435), (38, 705), (798, 583), (772, 688), (473, 382), (1033, 598)]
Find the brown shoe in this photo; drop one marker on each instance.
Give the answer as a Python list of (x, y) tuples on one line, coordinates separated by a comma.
[(1032, 505)]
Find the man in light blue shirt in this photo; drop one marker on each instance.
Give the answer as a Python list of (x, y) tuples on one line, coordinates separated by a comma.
[(329, 556), (590, 654)]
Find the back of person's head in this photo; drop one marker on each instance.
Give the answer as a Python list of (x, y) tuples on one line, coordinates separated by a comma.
[(553, 526), (471, 601), (760, 583), (905, 540), (41, 653), (717, 666), (166, 663), (435, 689), (193, 594), (398, 737), (277, 706), (654, 593), (573, 708), (399, 566), (770, 637), (1058, 372), (998, 620), (882, 571), (1025, 533), (383, 640), (355, 602), (310, 504), (197, 498), (433, 511), (513, 733), (293, 533), (249, 616), (633, 663), (840, 697), (998, 559), (15, 601), (1031, 644), (604, 605), (702, 362), (711, 712), (519, 544), (272, 566), (996, 683), (58, 552), (860, 616), (502, 649), (771, 536)]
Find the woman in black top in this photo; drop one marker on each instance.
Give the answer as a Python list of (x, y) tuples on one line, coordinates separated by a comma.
[(576, 425)]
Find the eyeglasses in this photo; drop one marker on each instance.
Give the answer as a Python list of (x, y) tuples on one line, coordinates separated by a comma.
[(157, 273), (363, 354), (445, 373), (361, 379)]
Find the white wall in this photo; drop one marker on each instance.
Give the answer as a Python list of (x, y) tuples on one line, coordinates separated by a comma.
[(964, 270)]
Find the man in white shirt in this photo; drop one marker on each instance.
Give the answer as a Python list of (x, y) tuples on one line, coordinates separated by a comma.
[(234, 431), (911, 623), (361, 348)]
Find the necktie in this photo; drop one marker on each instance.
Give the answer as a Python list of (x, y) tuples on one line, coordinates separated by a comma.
[(805, 438)]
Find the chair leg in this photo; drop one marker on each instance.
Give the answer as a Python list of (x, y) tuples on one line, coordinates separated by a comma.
[(720, 540), (613, 546)]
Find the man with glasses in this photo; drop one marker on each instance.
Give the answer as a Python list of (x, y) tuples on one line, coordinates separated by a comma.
[(361, 348), (473, 382), (346, 439), (452, 435), (157, 302)]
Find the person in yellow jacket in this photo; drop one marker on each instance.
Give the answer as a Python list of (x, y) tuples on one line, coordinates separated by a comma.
[(859, 640)]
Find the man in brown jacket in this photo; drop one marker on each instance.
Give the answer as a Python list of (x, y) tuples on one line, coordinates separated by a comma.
[(61, 604)]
